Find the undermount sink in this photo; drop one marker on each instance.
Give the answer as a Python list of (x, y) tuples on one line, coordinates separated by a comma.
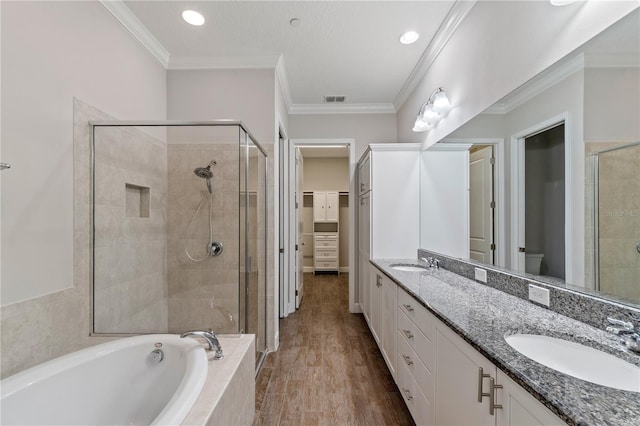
[(408, 268), (580, 361)]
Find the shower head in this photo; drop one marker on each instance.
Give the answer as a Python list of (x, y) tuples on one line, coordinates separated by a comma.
[(206, 173)]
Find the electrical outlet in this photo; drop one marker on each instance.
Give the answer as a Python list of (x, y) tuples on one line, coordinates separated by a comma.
[(539, 295), (481, 275)]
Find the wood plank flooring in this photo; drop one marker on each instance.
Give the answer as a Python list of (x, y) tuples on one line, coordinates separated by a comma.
[(328, 369)]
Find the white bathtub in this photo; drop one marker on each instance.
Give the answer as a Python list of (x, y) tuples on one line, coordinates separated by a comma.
[(115, 383)]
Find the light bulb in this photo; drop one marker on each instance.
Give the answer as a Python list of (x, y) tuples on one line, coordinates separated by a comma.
[(441, 102), (421, 125)]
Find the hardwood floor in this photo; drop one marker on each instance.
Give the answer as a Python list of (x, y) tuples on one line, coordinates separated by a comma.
[(328, 369)]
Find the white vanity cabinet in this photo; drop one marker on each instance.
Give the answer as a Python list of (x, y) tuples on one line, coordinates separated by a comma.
[(464, 394), (445, 381), (383, 316)]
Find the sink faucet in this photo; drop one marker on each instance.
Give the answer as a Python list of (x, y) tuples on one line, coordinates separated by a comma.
[(431, 262), (623, 328), (210, 338)]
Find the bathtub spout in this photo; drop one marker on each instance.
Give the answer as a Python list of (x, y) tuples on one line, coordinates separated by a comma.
[(211, 339)]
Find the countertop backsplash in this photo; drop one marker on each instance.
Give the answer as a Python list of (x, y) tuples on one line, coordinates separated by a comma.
[(583, 307)]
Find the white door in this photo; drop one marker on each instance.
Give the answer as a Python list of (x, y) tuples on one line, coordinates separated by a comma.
[(299, 229), (481, 205)]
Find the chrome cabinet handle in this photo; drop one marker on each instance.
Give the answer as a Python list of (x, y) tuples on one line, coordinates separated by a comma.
[(407, 394), (378, 279), (481, 376), (492, 396), (5, 166), (408, 308), (407, 359), (408, 334)]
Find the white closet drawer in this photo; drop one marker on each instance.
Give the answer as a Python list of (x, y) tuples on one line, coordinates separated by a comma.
[(326, 242), (321, 264), (326, 255)]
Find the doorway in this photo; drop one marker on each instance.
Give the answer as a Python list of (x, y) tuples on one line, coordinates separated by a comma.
[(481, 204), (541, 211), (313, 168)]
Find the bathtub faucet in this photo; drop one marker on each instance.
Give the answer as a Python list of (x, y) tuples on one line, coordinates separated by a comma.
[(212, 341)]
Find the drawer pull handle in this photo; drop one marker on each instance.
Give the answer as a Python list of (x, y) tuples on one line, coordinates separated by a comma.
[(492, 397), (408, 308), (407, 359), (408, 334), (407, 394), (481, 377)]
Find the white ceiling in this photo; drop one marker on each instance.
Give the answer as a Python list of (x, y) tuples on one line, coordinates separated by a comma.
[(340, 47)]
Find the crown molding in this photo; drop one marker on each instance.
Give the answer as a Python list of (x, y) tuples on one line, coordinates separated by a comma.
[(528, 91), (226, 63), (281, 75), (128, 20), (382, 108), (454, 17)]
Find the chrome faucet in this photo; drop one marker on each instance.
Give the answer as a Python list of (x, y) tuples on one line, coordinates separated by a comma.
[(210, 338), (431, 262), (624, 328)]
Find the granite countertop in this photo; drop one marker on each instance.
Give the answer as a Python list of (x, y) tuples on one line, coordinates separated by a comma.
[(483, 316)]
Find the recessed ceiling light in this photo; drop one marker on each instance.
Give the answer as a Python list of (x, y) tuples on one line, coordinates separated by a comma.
[(192, 17), (409, 37), (561, 2)]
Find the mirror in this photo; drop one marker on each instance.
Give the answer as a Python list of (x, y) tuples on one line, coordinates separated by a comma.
[(561, 197)]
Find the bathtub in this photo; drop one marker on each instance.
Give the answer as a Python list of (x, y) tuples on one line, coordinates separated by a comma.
[(119, 382)]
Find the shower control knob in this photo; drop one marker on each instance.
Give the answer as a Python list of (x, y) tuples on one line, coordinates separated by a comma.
[(215, 248)]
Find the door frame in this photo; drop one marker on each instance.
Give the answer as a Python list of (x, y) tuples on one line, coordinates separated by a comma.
[(289, 214), (500, 228), (517, 192)]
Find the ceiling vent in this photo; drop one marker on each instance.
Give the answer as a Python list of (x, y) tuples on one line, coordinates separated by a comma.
[(334, 99)]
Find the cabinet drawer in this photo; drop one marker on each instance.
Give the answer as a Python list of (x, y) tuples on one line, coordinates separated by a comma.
[(418, 314), (421, 409), (321, 264), (326, 242), (423, 377), (326, 255), (421, 344)]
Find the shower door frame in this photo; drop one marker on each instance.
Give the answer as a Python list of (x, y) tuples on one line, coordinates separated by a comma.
[(161, 123)]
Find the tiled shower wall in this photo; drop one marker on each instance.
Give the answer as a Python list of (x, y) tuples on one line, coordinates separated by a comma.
[(203, 294), (130, 231), (619, 218)]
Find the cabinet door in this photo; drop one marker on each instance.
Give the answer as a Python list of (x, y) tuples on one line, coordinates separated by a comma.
[(457, 378), (519, 407), (364, 220), (319, 206), (365, 286), (375, 313), (332, 206), (389, 309), (364, 175)]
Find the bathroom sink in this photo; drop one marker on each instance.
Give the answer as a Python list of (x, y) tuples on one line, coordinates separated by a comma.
[(580, 361), (408, 268)]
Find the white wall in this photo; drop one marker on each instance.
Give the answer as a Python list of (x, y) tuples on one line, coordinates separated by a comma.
[(364, 128), (52, 52), (245, 95), (326, 174), (498, 47), (611, 107)]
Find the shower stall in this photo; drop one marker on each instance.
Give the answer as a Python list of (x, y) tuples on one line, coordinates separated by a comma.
[(616, 218), (179, 228)]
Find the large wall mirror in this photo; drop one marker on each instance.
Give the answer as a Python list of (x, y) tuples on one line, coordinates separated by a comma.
[(547, 180)]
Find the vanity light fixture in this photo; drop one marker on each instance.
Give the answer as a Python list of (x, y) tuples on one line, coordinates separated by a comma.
[(432, 111), (409, 37), (192, 17)]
